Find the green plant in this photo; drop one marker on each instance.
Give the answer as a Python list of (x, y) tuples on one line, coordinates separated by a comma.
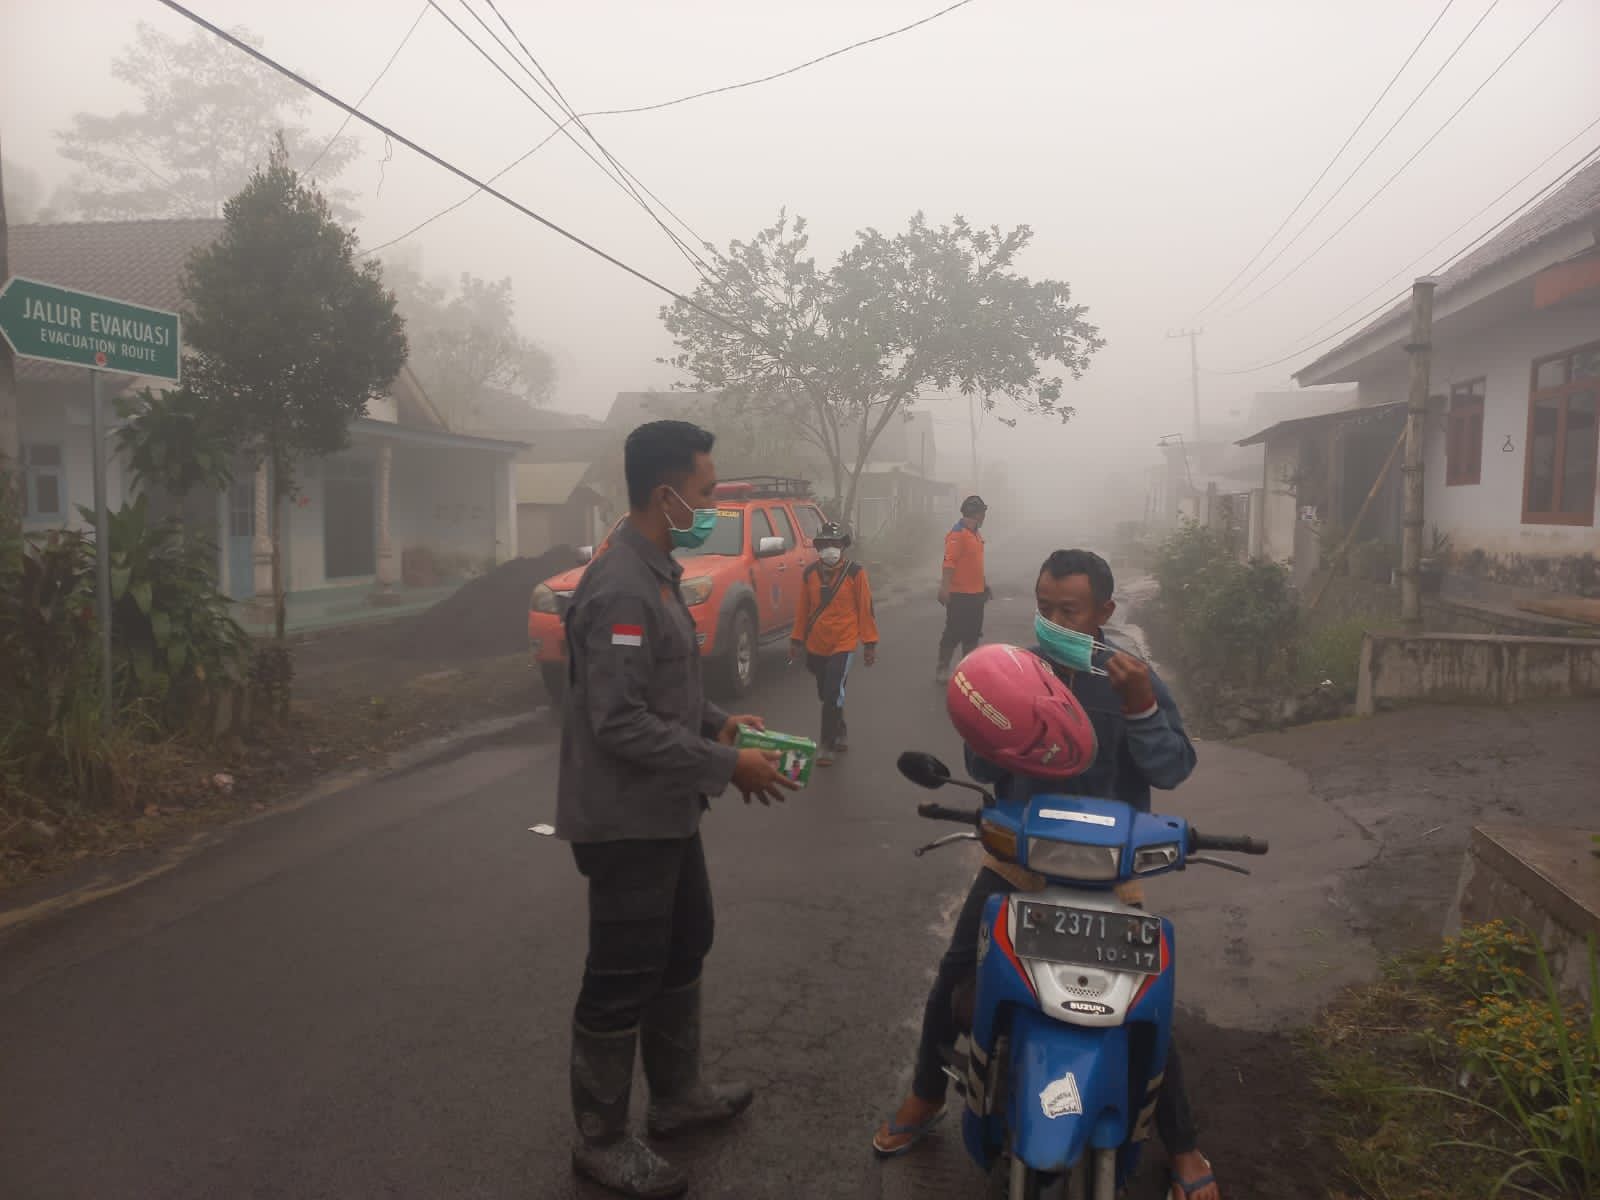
[(172, 634), (1236, 622), (173, 440), (1331, 653)]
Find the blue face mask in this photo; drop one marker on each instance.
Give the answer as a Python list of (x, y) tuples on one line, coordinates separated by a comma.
[(1066, 646), (692, 538)]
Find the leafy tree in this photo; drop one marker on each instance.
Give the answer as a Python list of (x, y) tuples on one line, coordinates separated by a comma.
[(174, 440), (24, 194), (836, 355), (289, 337), (467, 341), (205, 116)]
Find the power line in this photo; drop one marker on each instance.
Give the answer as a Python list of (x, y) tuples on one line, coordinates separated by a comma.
[(611, 112), (574, 115), (472, 195), (623, 178), (1367, 157), (1323, 245), (811, 62), (561, 126), (1560, 178), (438, 161), (377, 79), (1565, 177), (1315, 183)]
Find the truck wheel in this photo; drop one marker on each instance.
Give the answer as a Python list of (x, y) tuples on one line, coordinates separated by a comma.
[(736, 665), (554, 677)]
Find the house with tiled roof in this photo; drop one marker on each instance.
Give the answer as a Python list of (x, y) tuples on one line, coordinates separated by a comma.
[(408, 501), (1513, 425)]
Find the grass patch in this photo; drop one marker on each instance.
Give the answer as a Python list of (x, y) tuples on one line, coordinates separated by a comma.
[(1464, 1073)]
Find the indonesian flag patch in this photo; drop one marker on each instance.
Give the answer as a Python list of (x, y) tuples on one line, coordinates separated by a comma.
[(627, 635)]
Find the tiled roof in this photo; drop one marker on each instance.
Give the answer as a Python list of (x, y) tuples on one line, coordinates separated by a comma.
[(1577, 201), (141, 262)]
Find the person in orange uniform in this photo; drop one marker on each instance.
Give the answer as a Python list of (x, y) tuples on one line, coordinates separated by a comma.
[(833, 617), (963, 590)]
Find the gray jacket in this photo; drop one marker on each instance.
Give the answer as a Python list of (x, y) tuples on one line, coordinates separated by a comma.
[(639, 753)]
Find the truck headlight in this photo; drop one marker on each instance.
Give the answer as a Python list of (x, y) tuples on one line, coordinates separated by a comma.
[(544, 601), (697, 590), (1072, 860)]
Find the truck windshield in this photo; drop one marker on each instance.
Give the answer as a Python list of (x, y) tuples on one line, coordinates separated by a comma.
[(726, 539)]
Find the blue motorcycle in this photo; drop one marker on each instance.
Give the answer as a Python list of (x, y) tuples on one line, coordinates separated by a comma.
[(1073, 1011)]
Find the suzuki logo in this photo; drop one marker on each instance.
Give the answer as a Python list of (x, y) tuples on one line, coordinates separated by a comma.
[(1088, 1008)]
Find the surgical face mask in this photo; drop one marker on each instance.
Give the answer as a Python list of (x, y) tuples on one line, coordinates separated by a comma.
[(1066, 646), (830, 555), (703, 521)]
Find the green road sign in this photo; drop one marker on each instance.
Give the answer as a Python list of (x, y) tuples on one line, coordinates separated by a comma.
[(40, 320)]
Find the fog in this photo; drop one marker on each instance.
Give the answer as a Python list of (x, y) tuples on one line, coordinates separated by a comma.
[(1152, 147)]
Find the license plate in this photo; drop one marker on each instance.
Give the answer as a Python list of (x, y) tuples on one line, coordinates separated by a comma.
[(1086, 937)]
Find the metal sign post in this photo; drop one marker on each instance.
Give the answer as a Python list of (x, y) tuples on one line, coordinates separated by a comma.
[(102, 547), (80, 329)]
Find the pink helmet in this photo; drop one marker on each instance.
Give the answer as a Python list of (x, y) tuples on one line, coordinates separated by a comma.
[(1008, 705)]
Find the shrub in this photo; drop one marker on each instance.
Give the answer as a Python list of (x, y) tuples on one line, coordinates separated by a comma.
[(1235, 622)]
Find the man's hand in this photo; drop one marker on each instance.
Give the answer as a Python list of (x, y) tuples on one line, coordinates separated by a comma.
[(730, 731), (1131, 679), (871, 654), (796, 649), (944, 595), (756, 774)]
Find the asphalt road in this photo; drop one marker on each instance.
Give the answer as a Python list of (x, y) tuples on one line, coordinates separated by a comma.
[(370, 996)]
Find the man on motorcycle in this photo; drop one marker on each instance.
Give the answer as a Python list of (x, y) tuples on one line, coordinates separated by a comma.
[(1142, 744)]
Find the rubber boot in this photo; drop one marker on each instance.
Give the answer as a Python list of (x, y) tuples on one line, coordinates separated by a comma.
[(680, 1101), (602, 1084)]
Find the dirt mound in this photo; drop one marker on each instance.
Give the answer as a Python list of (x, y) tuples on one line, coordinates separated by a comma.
[(486, 617)]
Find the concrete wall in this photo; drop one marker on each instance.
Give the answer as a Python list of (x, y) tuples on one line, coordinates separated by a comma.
[(446, 501), (1487, 516), (1542, 880), (1399, 669)]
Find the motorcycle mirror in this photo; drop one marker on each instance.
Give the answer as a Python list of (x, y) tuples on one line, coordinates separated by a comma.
[(924, 770)]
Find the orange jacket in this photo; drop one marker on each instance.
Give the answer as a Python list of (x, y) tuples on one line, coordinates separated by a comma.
[(847, 622), (963, 557)]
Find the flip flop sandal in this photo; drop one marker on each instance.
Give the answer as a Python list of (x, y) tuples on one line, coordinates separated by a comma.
[(1191, 1186), (917, 1132)]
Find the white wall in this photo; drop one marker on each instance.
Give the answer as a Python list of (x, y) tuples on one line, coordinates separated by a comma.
[(1487, 516), (1280, 510), (446, 500), (60, 415)]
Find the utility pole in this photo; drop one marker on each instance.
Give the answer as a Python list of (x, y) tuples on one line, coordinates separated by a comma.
[(1420, 352), (1194, 372)]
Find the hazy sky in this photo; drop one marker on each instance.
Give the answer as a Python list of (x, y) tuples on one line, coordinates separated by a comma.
[(1151, 145)]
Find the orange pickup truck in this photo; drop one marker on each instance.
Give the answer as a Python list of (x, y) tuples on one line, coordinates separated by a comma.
[(741, 586)]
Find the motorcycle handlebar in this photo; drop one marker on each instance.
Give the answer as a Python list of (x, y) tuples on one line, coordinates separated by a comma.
[(1226, 843), (938, 812)]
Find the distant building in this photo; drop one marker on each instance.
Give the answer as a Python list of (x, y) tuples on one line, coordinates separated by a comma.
[(407, 495), (1512, 428)]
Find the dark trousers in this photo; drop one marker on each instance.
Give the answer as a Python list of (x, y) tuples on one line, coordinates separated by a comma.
[(650, 926), (940, 1026), (832, 672), (963, 625)]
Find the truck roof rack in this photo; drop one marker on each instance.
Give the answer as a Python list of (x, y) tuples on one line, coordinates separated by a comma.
[(764, 487)]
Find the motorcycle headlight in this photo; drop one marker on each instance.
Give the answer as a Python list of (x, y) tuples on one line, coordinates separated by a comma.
[(1155, 858), (697, 590), (1070, 860), (544, 600)]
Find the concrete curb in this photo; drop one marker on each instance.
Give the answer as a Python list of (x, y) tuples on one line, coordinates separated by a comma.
[(30, 904)]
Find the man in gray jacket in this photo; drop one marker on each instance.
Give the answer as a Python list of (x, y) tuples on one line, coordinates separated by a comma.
[(641, 750)]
